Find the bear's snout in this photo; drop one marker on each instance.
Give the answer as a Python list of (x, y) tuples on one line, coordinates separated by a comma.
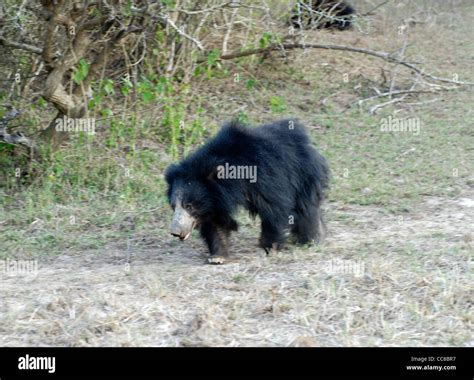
[(182, 224)]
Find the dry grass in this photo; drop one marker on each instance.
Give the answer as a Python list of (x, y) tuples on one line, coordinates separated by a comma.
[(410, 284), (392, 272)]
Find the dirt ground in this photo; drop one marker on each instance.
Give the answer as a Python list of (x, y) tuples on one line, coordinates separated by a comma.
[(382, 277), (412, 287)]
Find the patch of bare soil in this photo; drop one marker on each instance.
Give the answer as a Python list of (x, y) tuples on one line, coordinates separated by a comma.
[(379, 279)]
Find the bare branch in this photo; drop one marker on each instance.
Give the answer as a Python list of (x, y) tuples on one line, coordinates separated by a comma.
[(207, 10), (402, 92), (182, 33), (373, 110), (101, 58), (379, 54), (229, 30), (19, 45), (375, 8)]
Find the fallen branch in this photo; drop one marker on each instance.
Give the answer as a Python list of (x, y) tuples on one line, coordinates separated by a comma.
[(375, 8), (374, 109), (16, 138), (19, 45), (379, 54), (200, 11), (402, 92)]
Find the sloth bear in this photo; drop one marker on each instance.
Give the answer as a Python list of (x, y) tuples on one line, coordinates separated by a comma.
[(271, 170), (322, 14)]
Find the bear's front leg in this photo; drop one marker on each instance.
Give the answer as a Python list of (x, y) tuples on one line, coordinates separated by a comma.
[(272, 236), (217, 240)]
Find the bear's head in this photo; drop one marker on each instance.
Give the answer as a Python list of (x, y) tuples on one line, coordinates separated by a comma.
[(190, 197)]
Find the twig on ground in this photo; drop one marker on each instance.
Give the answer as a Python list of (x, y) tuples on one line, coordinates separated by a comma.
[(382, 55), (375, 8), (375, 108)]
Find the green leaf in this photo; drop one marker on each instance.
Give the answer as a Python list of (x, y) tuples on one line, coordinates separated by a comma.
[(277, 104), (81, 72), (126, 87), (42, 103), (108, 87), (250, 83), (213, 56), (148, 96), (266, 40), (106, 112)]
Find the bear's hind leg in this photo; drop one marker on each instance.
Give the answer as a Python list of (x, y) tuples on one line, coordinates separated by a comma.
[(272, 236)]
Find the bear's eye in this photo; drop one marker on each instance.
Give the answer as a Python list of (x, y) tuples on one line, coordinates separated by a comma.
[(188, 206)]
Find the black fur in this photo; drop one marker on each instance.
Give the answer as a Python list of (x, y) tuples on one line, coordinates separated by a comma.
[(302, 17), (291, 181)]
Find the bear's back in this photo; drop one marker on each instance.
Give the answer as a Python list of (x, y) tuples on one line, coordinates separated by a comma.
[(284, 132)]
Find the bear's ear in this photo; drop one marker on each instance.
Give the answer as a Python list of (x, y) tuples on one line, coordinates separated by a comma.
[(171, 173), (212, 174)]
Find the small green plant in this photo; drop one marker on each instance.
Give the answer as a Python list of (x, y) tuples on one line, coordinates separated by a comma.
[(277, 104), (250, 83), (267, 39), (213, 62), (243, 117), (81, 72)]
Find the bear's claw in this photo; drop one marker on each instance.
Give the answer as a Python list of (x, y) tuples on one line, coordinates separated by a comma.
[(216, 260)]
